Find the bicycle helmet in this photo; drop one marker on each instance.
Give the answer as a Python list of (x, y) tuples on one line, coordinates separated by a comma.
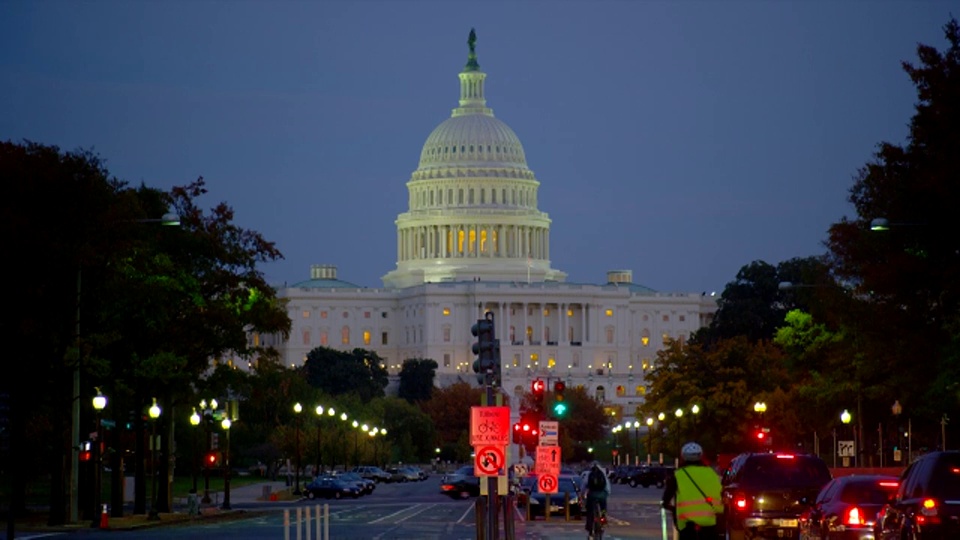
[(691, 452)]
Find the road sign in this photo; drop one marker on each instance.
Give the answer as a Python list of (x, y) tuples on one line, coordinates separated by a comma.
[(846, 449), (548, 460), (547, 483), (489, 426), (549, 432), (489, 461), (519, 470)]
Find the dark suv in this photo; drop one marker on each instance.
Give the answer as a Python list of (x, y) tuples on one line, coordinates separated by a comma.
[(765, 493), (650, 475), (927, 504)]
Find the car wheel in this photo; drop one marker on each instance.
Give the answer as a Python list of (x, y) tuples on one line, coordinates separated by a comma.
[(311, 495), (633, 483)]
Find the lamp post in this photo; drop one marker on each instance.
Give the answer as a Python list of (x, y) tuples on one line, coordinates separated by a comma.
[(661, 417), (194, 421), (99, 402), (154, 413), (679, 414), (297, 409), (649, 438), (356, 455), (346, 456), (636, 441), (845, 417), (208, 409), (225, 424), (695, 410), (320, 411)]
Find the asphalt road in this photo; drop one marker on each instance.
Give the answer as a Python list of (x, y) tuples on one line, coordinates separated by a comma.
[(415, 510)]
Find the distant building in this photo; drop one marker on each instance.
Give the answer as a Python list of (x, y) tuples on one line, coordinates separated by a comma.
[(473, 240)]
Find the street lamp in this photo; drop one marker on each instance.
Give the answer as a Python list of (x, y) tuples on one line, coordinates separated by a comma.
[(99, 402), (194, 421), (225, 424), (845, 417), (320, 411), (356, 455), (679, 414), (695, 410), (636, 441), (297, 408), (154, 413), (649, 438)]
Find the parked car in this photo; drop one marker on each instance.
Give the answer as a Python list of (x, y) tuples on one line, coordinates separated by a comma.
[(622, 473), (367, 486), (566, 486), (331, 487), (846, 508), (927, 504), (403, 474), (764, 494), (650, 475), (372, 473), (461, 483)]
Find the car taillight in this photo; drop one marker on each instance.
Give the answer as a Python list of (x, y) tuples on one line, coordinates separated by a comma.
[(740, 502), (928, 507), (854, 517)]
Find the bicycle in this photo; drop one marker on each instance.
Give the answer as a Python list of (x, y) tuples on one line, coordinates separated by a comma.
[(599, 522)]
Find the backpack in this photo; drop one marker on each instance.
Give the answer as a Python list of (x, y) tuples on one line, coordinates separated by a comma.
[(595, 481)]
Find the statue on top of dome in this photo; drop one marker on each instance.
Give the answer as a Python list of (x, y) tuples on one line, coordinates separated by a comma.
[(472, 64)]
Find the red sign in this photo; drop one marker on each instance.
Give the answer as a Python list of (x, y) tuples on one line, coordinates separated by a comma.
[(489, 426), (548, 460), (547, 483), (489, 461)]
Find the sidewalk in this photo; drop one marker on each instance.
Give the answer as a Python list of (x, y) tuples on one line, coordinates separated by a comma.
[(253, 493)]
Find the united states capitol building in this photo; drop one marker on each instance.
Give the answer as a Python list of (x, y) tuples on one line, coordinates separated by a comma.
[(473, 240)]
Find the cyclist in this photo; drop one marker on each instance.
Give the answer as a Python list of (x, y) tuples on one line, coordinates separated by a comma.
[(696, 489), (597, 490)]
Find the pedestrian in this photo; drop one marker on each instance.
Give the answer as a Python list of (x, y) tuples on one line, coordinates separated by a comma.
[(692, 494)]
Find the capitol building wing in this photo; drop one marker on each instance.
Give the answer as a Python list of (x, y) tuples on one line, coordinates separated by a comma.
[(472, 241)]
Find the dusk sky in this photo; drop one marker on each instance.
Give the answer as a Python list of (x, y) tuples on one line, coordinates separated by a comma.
[(681, 139)]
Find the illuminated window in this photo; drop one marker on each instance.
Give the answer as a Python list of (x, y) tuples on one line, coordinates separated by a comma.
[(306, 314), (446, 334), (609, 313), (446, 312), (621, 391), (366, 337), (306, 337), (534, 358), (546, 312), (345, 335), (640, 390), (551, 363), (516, 360), (666, 339), (645, 338), (569, 313), (646, 364), (323, 314), (324, 338), (383, 338), (529, 334)]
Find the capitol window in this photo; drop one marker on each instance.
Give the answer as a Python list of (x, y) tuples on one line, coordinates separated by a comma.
[(383, 338), (609, 313), (323, 314), (345, 335), (324, 338), (366, 337), (306, 314)]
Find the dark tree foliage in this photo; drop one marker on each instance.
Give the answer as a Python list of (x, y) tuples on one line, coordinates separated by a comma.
[(755, 304), (908, 277), (416, 379), (359, 372)]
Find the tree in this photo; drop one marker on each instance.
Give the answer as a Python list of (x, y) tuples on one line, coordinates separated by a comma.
[(416, 379), (359, 372), (450, 411), (907, 278)]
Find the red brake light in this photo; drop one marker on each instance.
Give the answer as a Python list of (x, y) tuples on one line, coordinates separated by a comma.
[(890, 484), (785, 456), (853, 517), (740, 502)]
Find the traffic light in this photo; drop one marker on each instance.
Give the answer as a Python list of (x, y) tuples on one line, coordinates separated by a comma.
[(86, 451), (537, 387), (517, 434), (559, 406), (487, 349), (211, 460)]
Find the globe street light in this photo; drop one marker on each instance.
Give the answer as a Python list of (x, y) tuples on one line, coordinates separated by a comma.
[(649, 438), (99, 402), (845, 417), (154, 413), (679, 414), (194, 421), (225, 424), (695, 410), (330, 412), (297, 408)]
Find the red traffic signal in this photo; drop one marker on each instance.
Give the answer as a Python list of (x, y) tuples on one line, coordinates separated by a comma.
[(212, 459), (559, 387), (537, 387), (761, 435)]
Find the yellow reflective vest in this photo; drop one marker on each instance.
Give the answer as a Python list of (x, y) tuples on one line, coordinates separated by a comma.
[(691, 504)]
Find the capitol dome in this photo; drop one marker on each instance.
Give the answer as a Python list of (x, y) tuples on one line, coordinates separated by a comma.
[(472, 212)]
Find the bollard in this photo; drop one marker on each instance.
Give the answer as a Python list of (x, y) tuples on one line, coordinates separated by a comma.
[(299, 523), (104, 518), (286, 524), (306, 521)]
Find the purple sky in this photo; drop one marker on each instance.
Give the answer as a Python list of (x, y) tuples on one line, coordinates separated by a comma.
[(678, 139)]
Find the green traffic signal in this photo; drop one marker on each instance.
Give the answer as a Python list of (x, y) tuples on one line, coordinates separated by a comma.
[(559, 409)]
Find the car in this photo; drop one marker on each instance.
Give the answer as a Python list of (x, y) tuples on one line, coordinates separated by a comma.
[(927, 504), (367, 486), (846, 508), (650, 475), (372, 473), (331, 487), (403, 474), (460, 484), (622, 473), (765, 493), (567, 486)]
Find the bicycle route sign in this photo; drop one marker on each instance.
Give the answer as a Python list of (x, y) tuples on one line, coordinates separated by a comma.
[(489, 426), (489, 461)]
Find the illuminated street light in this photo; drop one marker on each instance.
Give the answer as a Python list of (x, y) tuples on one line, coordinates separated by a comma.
[(297, 409), (99, 403), (154, 413)]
